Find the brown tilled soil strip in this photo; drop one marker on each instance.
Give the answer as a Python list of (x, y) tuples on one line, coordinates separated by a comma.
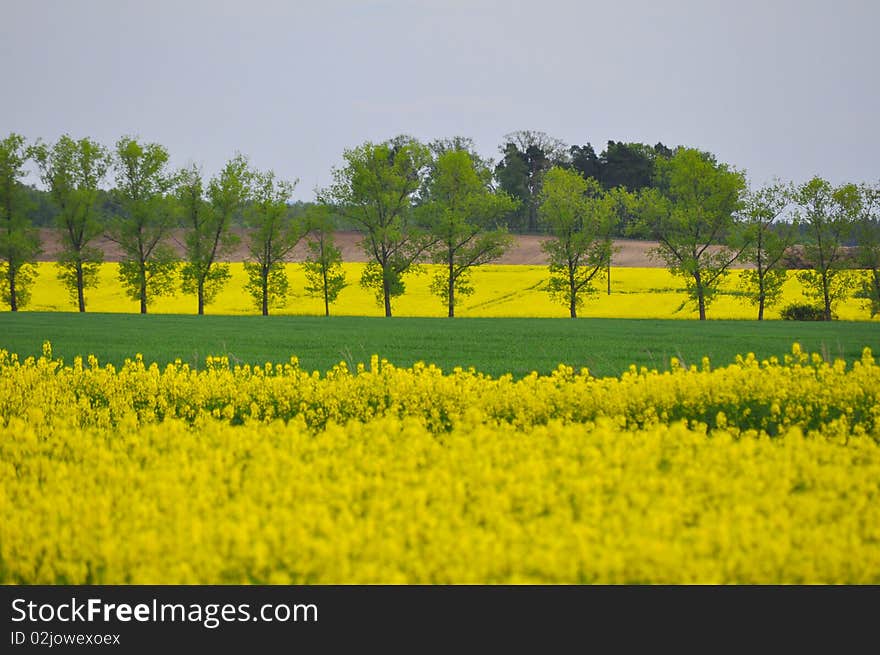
[(527, 250)]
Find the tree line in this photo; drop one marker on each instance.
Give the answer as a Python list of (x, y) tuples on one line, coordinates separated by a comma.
[(439, 202)]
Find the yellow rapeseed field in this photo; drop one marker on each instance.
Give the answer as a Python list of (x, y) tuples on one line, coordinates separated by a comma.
[(500, 290), (757, 472)]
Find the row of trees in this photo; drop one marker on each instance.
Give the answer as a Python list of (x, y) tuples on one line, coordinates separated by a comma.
[(454, 222), (441, 203), (705, 219), (526, 157), (147, 203), (418, 203)]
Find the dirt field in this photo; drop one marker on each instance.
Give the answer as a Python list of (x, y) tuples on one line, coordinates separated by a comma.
[(526, 251)]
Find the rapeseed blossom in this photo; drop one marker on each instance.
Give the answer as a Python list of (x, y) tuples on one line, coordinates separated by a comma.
[(757, 472), (500, 291)]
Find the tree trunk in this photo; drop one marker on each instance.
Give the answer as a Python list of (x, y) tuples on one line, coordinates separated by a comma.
[(875, 276), (701, 299), (826, 297), (386, 292), (572, 294), (80, 283), (143, 290), (201, 294), (608, 275), (451, 288), (761, 298), (533, 217), (326, 294), (265, 284), (761, 274), (13, 301)]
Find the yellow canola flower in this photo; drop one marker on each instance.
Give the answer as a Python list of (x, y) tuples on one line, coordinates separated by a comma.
[(500, 291), (758, 472)]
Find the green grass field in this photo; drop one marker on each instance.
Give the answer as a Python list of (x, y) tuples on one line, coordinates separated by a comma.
[(491, 345)]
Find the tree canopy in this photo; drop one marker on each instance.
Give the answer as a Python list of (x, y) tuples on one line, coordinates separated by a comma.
[(690, 212), (465, 216), (580, 218), (274, 233), (19, 241), (377, 189), (73, 171)]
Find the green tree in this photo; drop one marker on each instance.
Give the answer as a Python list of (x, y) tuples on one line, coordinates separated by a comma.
[(72, 172), (274, 234), (323, 264), (585, 161), (630, 165), (143, 221), (440, 147), (868, 247), (766, 238), (41, 208), (691, 214), (580, 218), (527, 156), (512, 174), (463, 213), (625, 166), (376, 189), (829, 215), (19, 241), (622, 204), (208, 215)]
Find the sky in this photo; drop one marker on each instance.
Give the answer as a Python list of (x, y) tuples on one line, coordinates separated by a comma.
[(778, 88)]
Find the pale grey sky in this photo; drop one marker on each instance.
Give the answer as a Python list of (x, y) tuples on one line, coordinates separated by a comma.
[(780, 88)]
